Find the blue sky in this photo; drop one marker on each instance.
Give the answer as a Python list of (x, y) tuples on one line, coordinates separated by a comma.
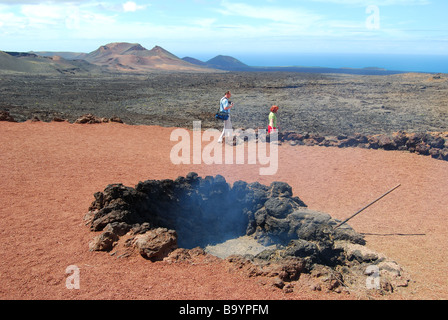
[(205, 28)]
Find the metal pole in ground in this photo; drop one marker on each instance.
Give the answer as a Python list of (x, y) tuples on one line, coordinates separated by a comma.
[(359, 211)]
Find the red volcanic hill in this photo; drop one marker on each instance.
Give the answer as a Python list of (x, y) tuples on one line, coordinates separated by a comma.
[(123, 56)]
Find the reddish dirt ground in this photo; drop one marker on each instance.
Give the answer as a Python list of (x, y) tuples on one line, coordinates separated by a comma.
[(50, 171)]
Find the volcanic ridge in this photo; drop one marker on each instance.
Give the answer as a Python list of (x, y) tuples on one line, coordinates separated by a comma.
[(133, 58)]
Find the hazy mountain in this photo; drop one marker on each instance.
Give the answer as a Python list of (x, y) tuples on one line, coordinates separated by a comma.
[(104, 54), (124, 57), (132, 57), (227, 63), (221, 62), (195, 61), (63, 54), (33, 63)]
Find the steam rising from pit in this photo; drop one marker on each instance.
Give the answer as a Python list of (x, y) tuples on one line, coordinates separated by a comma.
[(208, 211), (247, 222)]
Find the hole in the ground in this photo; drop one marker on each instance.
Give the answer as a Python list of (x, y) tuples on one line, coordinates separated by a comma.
[(262, 223), (207, 211)]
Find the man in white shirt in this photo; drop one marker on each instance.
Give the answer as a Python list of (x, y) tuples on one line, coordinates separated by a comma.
[(225, 106)]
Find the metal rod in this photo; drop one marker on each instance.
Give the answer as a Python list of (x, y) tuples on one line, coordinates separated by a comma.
[(358, 212)]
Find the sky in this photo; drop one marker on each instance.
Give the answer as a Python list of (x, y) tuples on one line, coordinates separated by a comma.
[(205, 28)]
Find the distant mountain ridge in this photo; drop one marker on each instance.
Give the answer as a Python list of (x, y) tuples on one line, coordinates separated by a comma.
[(117, 57), (63, 54), (194, 61), (35, 64), (228, 63), (133, 57), (221, 62)]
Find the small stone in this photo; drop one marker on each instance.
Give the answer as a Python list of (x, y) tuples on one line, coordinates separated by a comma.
[(156, 244), (278, 283)]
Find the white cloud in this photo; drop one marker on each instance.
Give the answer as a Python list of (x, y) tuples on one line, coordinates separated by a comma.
[(20, 2), (241, 25), (43, 11), (288, 23), (50, 20), (269, 13), (365, 3), (131, 6), (204, 22), (10, 21)]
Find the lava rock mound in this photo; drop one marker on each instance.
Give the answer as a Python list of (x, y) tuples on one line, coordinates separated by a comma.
[(174, 220), (204, 211)]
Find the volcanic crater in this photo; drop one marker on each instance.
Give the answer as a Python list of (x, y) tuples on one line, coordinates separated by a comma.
[(262, 230)]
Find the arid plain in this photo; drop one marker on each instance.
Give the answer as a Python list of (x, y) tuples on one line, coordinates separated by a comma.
[(50, 171)]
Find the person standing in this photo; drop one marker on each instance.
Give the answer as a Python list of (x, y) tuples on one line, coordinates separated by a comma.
[(224, 106), (273, 119)]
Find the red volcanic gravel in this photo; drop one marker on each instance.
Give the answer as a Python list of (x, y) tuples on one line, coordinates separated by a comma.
[(50, 171)]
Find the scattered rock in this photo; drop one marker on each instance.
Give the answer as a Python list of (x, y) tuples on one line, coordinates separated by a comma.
[(116, 119), (358, 252), (387, 143), (437, 142), (91, 119), (422, 148), (117, 228), (5, 116), (278, 283), (103, 242), (156, 244), (88, 118), (390, 266), (431, 144), (59, 119), (347, 142), (188, 255)]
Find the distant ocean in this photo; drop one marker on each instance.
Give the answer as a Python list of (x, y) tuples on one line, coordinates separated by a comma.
[(410, 63)]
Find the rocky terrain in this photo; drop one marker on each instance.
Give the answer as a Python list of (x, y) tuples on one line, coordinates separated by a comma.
[(395, 112), (309, 103)]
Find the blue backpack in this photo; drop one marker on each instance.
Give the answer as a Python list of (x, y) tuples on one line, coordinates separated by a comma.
[(222, 115)]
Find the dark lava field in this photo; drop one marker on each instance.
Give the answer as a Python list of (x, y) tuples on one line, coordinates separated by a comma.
[(327, 104)]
